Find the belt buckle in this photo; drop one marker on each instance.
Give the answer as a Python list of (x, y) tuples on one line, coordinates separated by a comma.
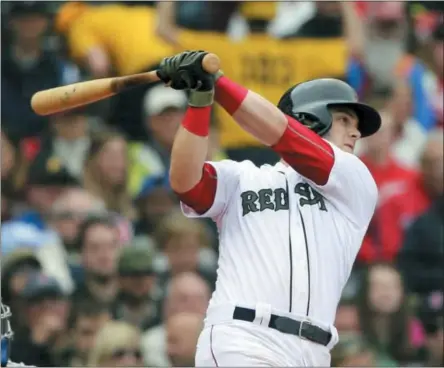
[(301, 326)]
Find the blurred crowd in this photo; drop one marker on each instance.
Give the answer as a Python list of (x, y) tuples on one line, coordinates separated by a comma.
[(98, 264)]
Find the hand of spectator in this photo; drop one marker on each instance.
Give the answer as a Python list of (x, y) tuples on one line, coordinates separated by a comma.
[(166, 25), (99, 64), (46, 328)]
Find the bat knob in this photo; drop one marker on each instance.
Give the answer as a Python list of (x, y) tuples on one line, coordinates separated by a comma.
[(211, 63)]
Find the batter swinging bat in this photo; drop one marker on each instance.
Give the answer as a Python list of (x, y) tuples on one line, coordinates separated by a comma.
[(67, 97)]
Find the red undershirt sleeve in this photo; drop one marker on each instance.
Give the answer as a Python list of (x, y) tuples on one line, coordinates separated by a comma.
[(201, 197), (306, 152)]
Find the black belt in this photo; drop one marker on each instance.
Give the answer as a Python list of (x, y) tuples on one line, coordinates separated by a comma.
[(287, 325)]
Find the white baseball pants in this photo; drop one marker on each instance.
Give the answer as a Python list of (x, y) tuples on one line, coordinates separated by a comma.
[(243, 344)]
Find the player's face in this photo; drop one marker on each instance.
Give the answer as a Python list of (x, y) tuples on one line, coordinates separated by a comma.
[(344, 131)]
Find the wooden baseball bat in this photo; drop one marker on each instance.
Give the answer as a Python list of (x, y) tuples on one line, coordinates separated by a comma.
[(67, 97)]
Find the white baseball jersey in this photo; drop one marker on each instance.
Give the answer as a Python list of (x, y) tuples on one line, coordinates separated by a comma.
[(285, 241)]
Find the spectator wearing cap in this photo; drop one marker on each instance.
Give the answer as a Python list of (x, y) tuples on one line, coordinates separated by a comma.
[(186, 293), (431, 312), (105, 172), (47, 179), (163, 110), (421, 256), (43, 244), (68, 138), (135, 302), (154, 201), (99, 246), (27, 67), (15, 268), (46, 310)]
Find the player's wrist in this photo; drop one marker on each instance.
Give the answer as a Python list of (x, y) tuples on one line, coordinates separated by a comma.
[(197, 120), (201, 98)]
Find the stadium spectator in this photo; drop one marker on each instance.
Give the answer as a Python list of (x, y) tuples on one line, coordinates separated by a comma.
[(117, 345), (394, 215), (385, 318), (410, 136), (135, 302), (353, 351), (85, 321), (391, 177), (421, 257), (28, 67), (46, 180), (15, 268), (163, 110), (102, 39), (185, 293), (184, 243), (69, 211), (154, 201), (347, 319), (13, 171), (105, 172), (99, 247), (183, 331), (422, 77), (46, 310), (431, 313)]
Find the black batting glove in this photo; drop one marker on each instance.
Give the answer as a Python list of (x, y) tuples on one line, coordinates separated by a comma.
[(183, 71)]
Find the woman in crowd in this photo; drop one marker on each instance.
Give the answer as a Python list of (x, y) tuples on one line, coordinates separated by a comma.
[(384, 314), (105, 172), (117, 345)]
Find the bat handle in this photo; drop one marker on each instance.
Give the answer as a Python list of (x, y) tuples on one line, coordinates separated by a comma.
[(211, 63)]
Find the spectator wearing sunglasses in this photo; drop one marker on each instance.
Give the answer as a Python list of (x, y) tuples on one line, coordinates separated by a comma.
[(117, 345)]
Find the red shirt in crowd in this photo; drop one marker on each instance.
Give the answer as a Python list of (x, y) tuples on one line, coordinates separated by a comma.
[(402, 198)]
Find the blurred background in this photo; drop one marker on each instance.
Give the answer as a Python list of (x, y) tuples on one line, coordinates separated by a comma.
[(99, 266)]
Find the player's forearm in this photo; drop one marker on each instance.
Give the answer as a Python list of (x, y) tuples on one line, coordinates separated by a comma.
[(190, 149), (252, 112)]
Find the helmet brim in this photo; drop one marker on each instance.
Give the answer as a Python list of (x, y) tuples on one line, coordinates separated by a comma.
[(369, 118)]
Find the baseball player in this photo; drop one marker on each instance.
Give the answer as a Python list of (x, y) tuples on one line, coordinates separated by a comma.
[(6, 336), (289, 233)]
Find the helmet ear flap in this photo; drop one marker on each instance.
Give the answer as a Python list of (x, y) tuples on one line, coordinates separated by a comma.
[(311, 122)]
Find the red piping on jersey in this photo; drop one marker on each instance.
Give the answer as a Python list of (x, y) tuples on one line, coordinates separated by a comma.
[(229, 94), (201, 197), (306, 152), (197, 120)]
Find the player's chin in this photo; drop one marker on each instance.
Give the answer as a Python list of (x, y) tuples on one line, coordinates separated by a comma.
[(348, 148)]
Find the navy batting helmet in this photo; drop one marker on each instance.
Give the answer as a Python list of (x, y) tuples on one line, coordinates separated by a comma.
[(309, 103)]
